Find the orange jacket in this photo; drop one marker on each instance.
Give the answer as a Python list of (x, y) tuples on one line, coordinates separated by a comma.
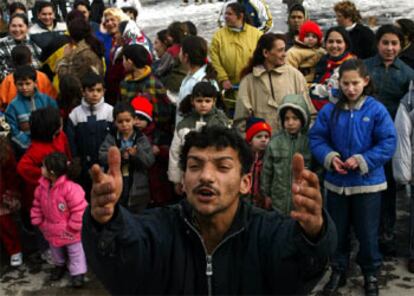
[(8, 89)]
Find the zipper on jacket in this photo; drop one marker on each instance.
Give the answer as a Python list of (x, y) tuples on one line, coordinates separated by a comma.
[(271, 85), (209, 258), (292, 146)]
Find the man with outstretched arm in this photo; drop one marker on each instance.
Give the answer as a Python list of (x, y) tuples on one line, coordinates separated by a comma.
[(212, 242)]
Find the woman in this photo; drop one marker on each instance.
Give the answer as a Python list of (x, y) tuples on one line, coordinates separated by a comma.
[(325, 86), (231, 49), (407, 51), (83, 53), (162, 63), (18, 34)]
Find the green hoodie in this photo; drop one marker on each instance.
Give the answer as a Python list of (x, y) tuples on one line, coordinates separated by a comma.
[(276, 179)]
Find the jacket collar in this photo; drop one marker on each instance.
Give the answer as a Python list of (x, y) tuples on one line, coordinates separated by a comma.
[(358, 105), (46, 182), (260, 70), (43, 26), (96, 107), (397, 63)]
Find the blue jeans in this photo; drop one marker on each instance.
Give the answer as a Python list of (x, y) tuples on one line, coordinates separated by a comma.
[(362, 212)]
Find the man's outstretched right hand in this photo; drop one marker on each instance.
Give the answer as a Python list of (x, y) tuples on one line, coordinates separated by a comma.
[(106, 187)]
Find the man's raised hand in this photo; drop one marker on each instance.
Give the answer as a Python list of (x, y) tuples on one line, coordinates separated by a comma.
[(106, 187), (307, 198)]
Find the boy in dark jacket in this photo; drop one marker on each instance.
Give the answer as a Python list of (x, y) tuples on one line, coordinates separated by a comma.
[(136, 154), (88, 125)]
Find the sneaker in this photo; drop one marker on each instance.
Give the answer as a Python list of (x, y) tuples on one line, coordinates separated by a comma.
[(371, 285), (16, 259), (78, 281), (57, 273)]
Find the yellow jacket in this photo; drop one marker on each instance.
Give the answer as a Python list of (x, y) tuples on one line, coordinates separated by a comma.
[(230, 51)]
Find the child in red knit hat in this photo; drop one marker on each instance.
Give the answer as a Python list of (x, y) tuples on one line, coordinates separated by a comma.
[(307, 50), (258, 133)]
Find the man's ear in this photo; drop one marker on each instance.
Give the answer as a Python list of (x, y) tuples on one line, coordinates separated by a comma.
[(246, 183)]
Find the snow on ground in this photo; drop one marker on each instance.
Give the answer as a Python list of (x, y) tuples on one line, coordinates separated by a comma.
[(158, 15)]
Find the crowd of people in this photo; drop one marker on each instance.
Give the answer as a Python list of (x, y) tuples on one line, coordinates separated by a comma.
[(76, 84)]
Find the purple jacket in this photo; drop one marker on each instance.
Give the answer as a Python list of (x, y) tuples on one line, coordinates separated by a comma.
[(58, 211)]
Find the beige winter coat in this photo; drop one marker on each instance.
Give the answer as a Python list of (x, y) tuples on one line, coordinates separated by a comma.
[(256, 96), (304, 59)]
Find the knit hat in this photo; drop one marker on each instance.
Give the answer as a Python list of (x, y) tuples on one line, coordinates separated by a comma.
[(142, 106), (256, 125), (310, 27)]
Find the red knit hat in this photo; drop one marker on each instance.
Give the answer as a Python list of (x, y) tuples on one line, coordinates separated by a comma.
[(142, 106), (256, 125), (310, 27)]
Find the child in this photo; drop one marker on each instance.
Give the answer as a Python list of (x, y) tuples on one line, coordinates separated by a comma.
[(258, 133), (402, 162), (136, 154), (9, 197), (199, 110), (27, 100), (21, 55), (57, 210), (277, 173), (353, 139), (160, 187), (88, 125), (47, 137), (306, 51)]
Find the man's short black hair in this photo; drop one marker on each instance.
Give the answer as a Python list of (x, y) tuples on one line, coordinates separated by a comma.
[(220, 138), (122, 107), (82, 3), (44, 123), (24, 72), (91, 79), (389, 29), (21, 55)]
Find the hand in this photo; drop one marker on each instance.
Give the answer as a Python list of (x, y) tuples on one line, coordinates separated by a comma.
[(351, 163), (106, 188), (155, 150), (226, 84), (307, 198), (132, 150), (339, 166)]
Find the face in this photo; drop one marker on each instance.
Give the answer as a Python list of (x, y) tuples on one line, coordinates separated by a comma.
[(203, 105), (292, 123), (84, 11), (128, 65), (111, 24), (352, 85), (388, 47), (124, 123), (45, 172), (26, 87), (296, 20), (342, 20), (259, 141), (277, 55), (46, 16), (231, 19), (140, 123), (213, 181), (19, 11), (311, 40), (18, 29), (159, 47), (94, 94), (335, 44)]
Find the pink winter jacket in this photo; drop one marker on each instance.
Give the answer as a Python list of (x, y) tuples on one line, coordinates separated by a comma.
[(58, 210)]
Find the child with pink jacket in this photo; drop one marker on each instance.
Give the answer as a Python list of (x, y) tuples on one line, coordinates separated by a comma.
[(57, 210)]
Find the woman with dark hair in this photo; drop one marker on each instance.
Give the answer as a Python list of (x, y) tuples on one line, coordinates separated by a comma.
[(266, 80), (17, 7), (231, 49), (18, 34), (162, 60), (325, 86), (193, 56), (391, 78), (407, 51), (83, 53)]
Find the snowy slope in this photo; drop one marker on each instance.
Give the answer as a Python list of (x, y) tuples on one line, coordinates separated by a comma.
[(158, 14)]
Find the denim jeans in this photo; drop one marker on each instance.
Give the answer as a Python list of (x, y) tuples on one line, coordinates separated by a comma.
[(362, 212), (388, 210)]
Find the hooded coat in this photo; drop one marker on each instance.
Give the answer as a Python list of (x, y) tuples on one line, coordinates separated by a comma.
[(276, 179)]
